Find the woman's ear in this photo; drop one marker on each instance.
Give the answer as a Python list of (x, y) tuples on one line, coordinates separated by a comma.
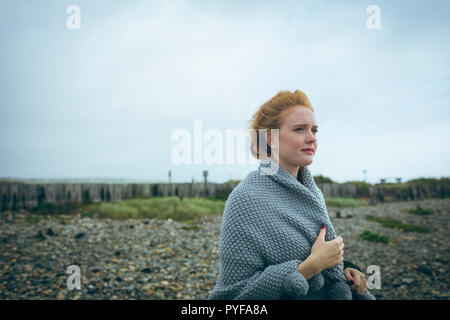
[(268, 138)]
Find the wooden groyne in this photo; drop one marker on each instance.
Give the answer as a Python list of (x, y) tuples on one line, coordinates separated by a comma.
[(18, 195)]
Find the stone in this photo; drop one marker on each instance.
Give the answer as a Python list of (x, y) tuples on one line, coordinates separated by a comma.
[(79, 235)]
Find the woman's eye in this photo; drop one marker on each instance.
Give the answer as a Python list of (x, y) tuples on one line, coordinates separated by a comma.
[(314, 130)]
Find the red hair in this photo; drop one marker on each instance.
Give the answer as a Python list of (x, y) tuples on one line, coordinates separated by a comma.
[(271, 115)]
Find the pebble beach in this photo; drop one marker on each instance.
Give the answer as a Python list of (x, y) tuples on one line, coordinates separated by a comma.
[(165, 259)]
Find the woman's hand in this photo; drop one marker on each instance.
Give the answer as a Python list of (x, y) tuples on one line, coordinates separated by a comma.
[(327, 254), (358, 278)]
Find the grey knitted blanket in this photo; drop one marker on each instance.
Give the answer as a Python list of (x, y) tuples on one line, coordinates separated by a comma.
[(269, 224)]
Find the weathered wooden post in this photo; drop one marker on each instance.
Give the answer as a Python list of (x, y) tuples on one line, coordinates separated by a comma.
[(205, 176), (170, 183)]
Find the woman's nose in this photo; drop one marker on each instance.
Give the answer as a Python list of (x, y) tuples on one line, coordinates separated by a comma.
[(312, 137)]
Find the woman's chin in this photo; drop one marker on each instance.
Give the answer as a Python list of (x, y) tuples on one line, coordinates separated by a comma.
[(305, 163)]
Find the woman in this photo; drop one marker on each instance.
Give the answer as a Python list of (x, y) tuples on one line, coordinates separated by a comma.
[(276, 240)]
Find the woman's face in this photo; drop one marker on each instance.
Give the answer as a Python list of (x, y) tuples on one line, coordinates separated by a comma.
[(297, 132)]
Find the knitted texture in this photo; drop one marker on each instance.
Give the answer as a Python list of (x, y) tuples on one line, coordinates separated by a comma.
[(269, 224)]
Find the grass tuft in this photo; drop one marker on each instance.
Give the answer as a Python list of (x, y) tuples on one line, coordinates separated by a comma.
[(51, 208), (339, 202), (396, 224), (33, 219), (419, 211), (163, 208), (374, 237)]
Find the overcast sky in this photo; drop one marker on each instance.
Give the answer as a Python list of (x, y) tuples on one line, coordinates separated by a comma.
[(105, 99)]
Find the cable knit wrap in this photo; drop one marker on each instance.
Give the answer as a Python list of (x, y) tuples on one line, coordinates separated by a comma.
[(269, 224)]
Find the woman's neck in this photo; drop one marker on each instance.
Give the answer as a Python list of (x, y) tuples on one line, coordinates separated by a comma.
[(293, 170)]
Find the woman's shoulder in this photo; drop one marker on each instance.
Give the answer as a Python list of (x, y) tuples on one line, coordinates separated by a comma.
[(245, 196), (254, 180), (249, 188), (241, 193)]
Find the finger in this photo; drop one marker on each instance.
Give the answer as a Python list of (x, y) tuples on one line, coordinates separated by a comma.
[(364, 282), (348, 276), (339, 239), (357, 280), (362, 290), (322, 233), (362, 278), (347, 273), (353, 271)]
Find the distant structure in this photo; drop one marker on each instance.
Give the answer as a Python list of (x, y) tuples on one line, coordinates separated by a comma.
[(19, 195), (205, 176), (385, 180)]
